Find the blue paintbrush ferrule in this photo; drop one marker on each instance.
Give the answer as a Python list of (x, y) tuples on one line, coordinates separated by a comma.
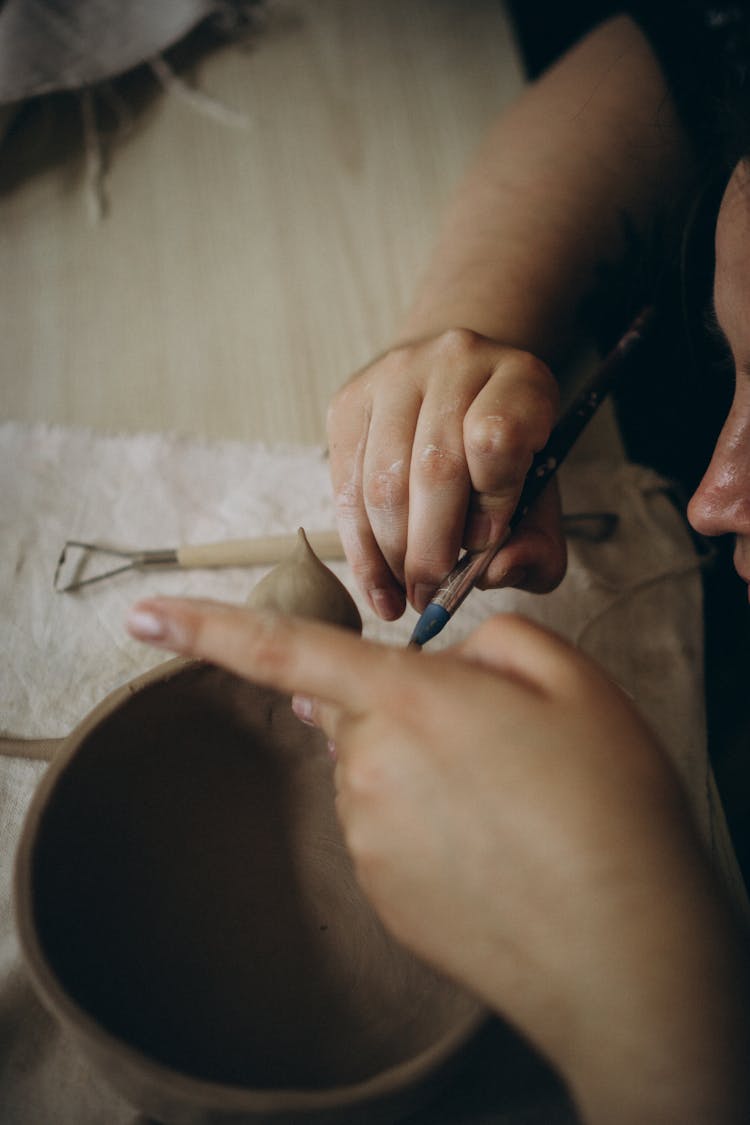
[(430, 623)]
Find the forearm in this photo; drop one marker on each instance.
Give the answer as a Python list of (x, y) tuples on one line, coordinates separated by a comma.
[(652, 1022), (594, 140), (669, 1043)]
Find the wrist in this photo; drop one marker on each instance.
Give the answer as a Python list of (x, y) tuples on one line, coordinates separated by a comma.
[(658, 1027), (634, 984)]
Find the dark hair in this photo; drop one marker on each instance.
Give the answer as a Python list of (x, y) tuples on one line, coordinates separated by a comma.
[(730, 108)]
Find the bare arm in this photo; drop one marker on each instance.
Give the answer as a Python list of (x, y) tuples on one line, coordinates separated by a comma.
[(429, 444), (595, 138)]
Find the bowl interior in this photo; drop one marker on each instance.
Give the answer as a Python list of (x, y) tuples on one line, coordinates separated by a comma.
[(191, 892)]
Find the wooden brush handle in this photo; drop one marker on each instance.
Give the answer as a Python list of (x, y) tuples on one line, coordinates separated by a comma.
[(262, 551)]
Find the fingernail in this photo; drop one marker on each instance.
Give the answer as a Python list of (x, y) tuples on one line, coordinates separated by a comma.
[(157, 628), (146, 625), (387, 603), (302, 706), (422, 595)]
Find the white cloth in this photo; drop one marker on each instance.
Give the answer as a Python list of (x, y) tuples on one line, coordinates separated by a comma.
[(48, 46), (63, 652), (633, 602)]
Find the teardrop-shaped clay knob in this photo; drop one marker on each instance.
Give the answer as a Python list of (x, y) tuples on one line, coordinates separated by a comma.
[(304, 586)]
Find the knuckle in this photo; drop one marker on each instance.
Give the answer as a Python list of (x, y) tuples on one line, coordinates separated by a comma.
[(536, 374), (391, 368), (508, 436), (543, 393), (451, 348), (456, 343), (438, 464), (503, 438), (492, 434), (344, 401), (398, 360), (387, 489), (347, 499), (530, 388)]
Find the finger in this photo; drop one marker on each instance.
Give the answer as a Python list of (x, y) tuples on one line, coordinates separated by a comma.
[(519, 649), (386, 465), (348, 430), (440, 491), (535, 556), (460, 362), (509, 420), (290, 654), (440, 485)]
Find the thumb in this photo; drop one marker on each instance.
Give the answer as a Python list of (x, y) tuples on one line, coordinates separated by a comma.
[(531, 654)]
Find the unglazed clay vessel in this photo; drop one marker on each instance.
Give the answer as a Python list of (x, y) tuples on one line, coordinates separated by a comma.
[(188, 910), (303, 585)]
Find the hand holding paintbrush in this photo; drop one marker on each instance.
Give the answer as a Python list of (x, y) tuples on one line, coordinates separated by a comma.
[(472, 565), (73, 573)]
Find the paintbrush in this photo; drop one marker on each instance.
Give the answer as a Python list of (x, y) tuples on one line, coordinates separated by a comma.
[(472, 565)]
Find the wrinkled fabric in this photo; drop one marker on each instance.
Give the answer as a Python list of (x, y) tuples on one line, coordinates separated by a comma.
[(49, 45)]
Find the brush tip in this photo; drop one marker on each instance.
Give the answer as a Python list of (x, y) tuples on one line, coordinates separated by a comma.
[(430, 623)]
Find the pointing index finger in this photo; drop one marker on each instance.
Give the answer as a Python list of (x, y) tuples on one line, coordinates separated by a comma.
[(287, 653)]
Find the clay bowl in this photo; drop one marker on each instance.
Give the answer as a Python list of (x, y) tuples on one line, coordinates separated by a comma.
[(188, 910)]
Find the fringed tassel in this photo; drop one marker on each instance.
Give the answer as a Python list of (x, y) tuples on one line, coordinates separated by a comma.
[(95, 159), (209, 107)]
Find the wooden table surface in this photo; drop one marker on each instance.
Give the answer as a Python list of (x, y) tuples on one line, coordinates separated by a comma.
[(245, 267)]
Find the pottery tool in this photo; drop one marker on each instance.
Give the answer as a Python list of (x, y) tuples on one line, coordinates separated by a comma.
[(77, 558), (472, 565)]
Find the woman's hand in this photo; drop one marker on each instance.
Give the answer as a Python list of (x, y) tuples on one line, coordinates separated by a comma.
[(429, 448), (515, 823)]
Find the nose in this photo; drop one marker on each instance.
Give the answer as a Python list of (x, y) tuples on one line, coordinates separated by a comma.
[(721, 503)]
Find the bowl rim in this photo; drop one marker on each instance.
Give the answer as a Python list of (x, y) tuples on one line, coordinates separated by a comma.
[(174, 1083)]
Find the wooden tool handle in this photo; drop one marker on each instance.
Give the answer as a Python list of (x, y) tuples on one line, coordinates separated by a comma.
[(33, 749), (263, 551)]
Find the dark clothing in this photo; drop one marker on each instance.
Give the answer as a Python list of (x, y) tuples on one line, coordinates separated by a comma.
[(671, 412), (704, 50)]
